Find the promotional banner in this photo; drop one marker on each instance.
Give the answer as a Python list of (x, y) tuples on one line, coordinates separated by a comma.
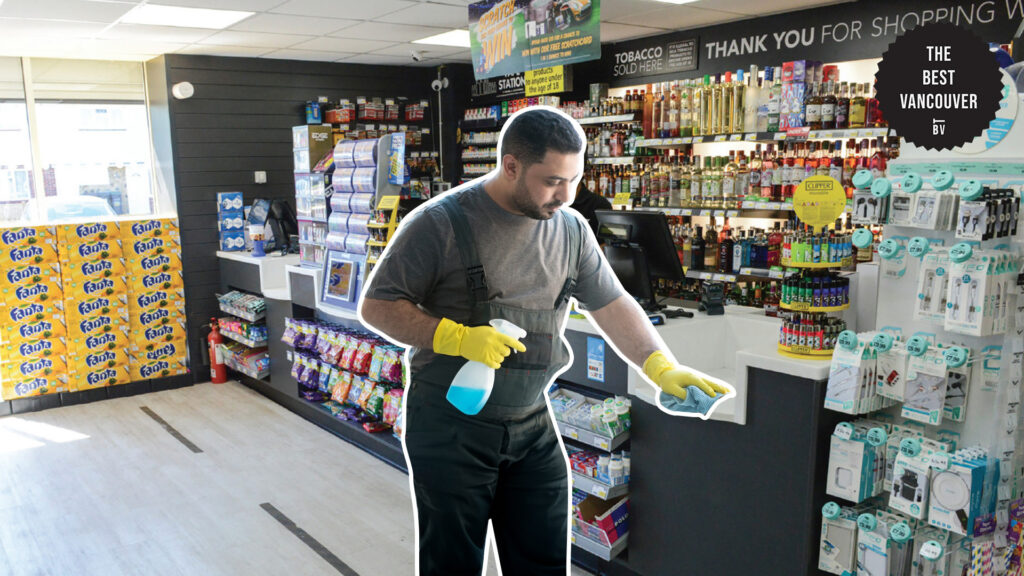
[(513, 36), (849, 31)]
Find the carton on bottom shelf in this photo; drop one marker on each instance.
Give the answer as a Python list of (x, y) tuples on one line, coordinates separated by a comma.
[(21, 369), (604, 521), (158, 368), (40, 386)]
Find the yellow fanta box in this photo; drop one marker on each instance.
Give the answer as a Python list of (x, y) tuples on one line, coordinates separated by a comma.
[(44, 251), (142, 319), (85, 233), (173, 300), (95, 326), (20, 314), (19, 237), (159, 263), (30, 274), (158, 280), (90, 361), (94, 270), (149, 247), (79, 346), (109, 249), (39, 386), (144, 338), (45, 292), (88, 289), (51, 348), (27, 368), (100, 377), (30, 331), (141, 229), (145, 370), (76, 311)]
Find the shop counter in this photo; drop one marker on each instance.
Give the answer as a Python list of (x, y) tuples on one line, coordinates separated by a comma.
[(245, 272)]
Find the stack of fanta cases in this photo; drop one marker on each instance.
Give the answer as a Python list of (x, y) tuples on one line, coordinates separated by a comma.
[(156, 303), (95, 304), (32, 330)]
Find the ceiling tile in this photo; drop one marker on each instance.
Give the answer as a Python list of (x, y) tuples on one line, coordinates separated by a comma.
[(46, 28), (678, 17), (615, 32), (75, 10), (285, 24), (246, 5), (611, 11), (236, 51), (313, 55), (159, 33), (427, 50), (761, 8), (430, 15), (342, 45), (255, 39), (392, 32), (380, 59), (355, 9)]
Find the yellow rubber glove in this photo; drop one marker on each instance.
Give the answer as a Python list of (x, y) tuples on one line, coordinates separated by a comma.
[(674, 379), (482, 344)]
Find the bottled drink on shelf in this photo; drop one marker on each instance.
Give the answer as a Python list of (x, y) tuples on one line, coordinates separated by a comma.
[(858, 108), (842, 120), (873, 117), (710, 249), (775, 101), (715, 107), (725, 124), (754, 168), (812, 108), (685, 110), (751, 102), (729, 175), (725, 252), (697, 249), (828, 106)]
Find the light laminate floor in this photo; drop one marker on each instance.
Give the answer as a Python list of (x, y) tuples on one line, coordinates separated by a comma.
[(104, 489)]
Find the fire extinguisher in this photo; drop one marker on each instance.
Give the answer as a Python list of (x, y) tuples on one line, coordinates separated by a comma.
[(218, 369)]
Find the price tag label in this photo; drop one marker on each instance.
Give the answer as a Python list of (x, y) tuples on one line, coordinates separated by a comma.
[(900, 532), (918, 246), (881, 342), (736, 138), (955, 356), (707, 212), (830, 510), (917, 346), (722, 278), (721, 138), (602, 444), (877, 436), (732, 213), (931, 550), (848, 339), (686, 212), (940, 461), (751, 137), (888, 248), (573, 434), (844, 431), (677, 141), (867, 522), (777, 274), (826, 135), (601, 492), (621, 199), (910, 447)]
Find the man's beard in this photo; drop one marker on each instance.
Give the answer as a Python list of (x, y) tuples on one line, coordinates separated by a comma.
[(527, 206)]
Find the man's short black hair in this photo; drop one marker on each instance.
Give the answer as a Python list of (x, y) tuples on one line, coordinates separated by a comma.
[(530, 135)]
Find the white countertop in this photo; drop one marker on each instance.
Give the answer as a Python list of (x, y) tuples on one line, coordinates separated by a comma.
[(272, 270), (722, 347)]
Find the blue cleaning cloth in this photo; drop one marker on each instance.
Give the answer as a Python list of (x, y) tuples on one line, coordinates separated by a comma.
[(697, 401)]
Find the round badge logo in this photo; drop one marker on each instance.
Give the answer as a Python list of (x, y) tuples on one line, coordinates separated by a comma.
[(939, 86)]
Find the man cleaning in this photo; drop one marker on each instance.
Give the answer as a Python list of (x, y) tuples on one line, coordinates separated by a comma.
[(504, 247)]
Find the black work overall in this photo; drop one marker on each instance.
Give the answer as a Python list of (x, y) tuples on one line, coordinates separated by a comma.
[(504, 464)]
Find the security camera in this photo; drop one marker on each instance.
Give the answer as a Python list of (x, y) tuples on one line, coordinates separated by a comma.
[(439, 84), (417, 56)]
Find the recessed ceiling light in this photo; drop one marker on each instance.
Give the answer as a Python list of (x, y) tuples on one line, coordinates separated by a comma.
[(676, 1), (157, 15), (457, 38)]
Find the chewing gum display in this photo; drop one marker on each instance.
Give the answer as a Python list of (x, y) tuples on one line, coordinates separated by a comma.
[(101, 377), (140, 229), (109, 249), (37, 253), (85, 233), (94, 270), (150, 247), (11, 389), (45, 292), (158, 280)]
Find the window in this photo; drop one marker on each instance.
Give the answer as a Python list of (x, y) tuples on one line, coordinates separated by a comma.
[(92, 142)]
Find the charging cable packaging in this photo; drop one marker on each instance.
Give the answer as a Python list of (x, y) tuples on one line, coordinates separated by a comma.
[(964, 307), (838, 545), (926, 388), (911, 475), (958, 384), (893, 253), (847, 373), (900, 530), (930, 556), (872, 551), (932, 286), (892, 372), (987, 214)]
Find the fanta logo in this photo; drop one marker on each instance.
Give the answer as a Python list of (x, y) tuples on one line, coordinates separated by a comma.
[(154, 368), (86, 230), (33, 367), (95, 378), (101, 358), (92, 287), (162, 352), (93, 342), (154, 333), (148, 318), (143, 246), (33, 348), (156, 280), (93, 268), (19, 314), (150, 263), (26, 292), (93, 306), (93, 249), (92, 325), (143, 227), (15, 276), (150, 299), (34, 329), (19, 254), (30, 386), (12, 236)]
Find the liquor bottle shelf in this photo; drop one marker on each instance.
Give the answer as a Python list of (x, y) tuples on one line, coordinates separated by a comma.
[(763, 137), (607, 119)]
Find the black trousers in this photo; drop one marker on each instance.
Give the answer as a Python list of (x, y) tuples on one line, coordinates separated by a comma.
[(467, 471)]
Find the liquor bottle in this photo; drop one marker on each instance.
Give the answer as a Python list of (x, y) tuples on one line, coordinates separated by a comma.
[(843, 107), (710, 248), (696, 183), (835, 169), (739, 103), (828, 106), (879, 162), (705, 107), (708, 186), (648, 111), (767, 173), (762, 100), (775, 101), (729, 182), (685, 111), (873, 112), (858, 108), (656, 111), (751, 101), (812, 108), (850, 166), (788, 163), (673, 111), (737, 251), (697, 249), (715, 107), (725, 252), (696, 106), (799, 167), (780, 174), (823, 163), (754, 178), (743, 174), (687, 257), (727, 105), (775, 246)]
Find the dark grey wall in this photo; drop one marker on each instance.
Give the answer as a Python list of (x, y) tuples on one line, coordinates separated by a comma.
[(240, 121)]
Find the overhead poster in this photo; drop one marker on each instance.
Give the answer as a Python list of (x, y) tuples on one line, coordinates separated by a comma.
[(513, 36)]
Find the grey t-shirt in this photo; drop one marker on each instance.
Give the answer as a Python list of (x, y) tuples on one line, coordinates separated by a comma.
[(526, 262)]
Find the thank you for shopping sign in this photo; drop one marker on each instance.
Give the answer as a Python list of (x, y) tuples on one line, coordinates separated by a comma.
[(513, 36)]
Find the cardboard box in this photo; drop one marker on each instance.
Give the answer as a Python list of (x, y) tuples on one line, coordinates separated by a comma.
[(79, 272), (158, 280), (231, 222), (161, 262), (149, 247), (119, 314), (170, 351), (86, 233), (21, 237), (79, 346), (13, 389), (603, 520), (159, 317), (22, 369), (30, 274), (44, 348), (20, 314), (108, 249), (87, 289), (232, 241), (101, 378), (44, 292), (147, 339), (90, 361), (49, 329), (44, 251), (96, 326), (158, 369), (230, 201), (139, 229), (156, 299)]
